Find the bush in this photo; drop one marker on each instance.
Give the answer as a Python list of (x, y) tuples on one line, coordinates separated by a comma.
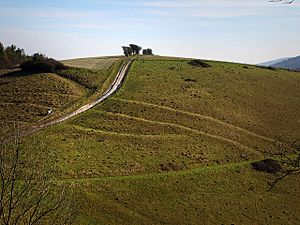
[(199, 63), (40, 63)]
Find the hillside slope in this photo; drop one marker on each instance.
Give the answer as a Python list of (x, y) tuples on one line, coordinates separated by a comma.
[(272, 62), (29, 95), (291, 64), (174, 146), (94, 63)]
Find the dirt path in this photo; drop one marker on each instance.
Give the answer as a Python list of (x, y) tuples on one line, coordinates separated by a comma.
[(111, 90)]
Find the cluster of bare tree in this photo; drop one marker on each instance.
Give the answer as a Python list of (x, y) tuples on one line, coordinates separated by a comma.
[(284, 162), (283, 1), (28, 195), (288, 157), (134, 49)]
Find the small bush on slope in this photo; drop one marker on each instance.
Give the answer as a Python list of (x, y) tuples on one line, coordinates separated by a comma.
[(267, 165)]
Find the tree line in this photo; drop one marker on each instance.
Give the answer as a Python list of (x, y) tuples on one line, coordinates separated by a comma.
[(134, 49), (11, 56)]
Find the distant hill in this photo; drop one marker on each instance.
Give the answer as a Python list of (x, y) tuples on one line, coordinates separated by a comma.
[(270, 63), (291, 63)]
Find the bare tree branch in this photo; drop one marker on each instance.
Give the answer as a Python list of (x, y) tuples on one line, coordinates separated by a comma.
[(289, 157), (283, 1), (27, 193)]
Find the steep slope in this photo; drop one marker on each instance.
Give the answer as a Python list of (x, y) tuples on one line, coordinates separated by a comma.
[(29, 96)]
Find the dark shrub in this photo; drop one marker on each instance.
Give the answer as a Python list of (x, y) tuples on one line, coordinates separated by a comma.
[(41, 63), (199, 63), (38, 66), (267, 166), (58, 65)]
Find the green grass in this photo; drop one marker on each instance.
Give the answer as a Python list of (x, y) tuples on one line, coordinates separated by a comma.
[(87, 78), (92, 63), (234, 195), (29, 95), (208, 123), (263, 101)]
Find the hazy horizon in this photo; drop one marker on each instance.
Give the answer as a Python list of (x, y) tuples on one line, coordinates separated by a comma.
[(239, 31)]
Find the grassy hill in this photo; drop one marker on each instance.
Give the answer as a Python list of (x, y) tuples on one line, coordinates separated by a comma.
[(174, 146), (93, 63), (29, 95)]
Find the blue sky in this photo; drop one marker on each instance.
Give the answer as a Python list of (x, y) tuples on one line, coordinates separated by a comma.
[(250, 31)]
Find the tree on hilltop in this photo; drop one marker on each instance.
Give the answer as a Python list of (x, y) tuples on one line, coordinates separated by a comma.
[(147, 51), (135, 48), (127, 51)]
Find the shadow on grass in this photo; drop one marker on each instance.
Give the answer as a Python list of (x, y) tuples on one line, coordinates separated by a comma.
[(18, 73), (267, 166)]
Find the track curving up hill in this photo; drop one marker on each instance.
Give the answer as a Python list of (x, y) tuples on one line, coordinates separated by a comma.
[(111, 90)]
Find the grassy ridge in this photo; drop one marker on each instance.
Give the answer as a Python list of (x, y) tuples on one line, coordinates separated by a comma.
[(87, 78), (30, 94), (263, 101), (204, 124), (93, 63)]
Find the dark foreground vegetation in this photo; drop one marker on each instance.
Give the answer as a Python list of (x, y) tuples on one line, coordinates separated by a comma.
[(28, 193)]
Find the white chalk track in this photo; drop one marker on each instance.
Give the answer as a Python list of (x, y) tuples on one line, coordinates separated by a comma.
[(111, 90)]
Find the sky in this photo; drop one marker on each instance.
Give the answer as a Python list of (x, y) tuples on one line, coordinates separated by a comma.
[(246, 31)]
